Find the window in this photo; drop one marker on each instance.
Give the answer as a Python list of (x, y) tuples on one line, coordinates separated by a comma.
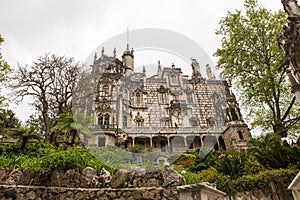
[(139, 123), (106, 119), (101, 142), (100, 119), (124, 121), (234, 116), (105, 91), (139, 120), (174, 79), (194, 123), (240, 135), (162, 97), (138, 98)]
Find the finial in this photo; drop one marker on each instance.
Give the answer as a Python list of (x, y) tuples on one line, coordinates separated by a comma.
[(144, 70), (173, 65), (95, 56), (102, 51), (132, 50), (115, 52), (127, 39), (127, 48)]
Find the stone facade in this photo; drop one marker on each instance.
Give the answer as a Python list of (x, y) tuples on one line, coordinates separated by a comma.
[(167, 112)]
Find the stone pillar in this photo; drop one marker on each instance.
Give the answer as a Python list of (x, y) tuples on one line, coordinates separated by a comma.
[(150, 142), (201, 141), (133, 138), (185, 143), (120, 112), (168, 144), (217, 137)]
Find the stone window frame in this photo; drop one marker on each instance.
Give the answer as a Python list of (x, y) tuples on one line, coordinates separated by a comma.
[(103, 119), (105, 91)]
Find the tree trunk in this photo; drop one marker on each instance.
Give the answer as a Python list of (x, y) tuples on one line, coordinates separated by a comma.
[(45, 113), (280, 129)]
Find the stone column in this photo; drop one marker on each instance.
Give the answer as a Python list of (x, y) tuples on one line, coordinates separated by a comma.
[(217, 137), (150, 142), (168, 144), (185, 143), (133, 138), (201, 141)]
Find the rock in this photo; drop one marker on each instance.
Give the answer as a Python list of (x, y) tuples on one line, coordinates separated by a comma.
[(171, 178), (14, 176), (56, 178), (4, 174), (119, 180), (90, 174), (105, 178), (30, 195)]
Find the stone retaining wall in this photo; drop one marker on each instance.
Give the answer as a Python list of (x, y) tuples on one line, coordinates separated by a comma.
[(62, 193), (132, 184)]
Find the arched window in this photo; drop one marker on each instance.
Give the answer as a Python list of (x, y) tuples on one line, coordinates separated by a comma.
[(162, 97), (234, 116), (138, 98), (100, 119), (106, 119), (105, 91), (124, 121), (240, 135)]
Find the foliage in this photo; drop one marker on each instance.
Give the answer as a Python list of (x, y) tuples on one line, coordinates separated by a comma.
[(249, 58), (185, 159), (67, 127), (262, 180), (271, 152), (231, 163), (204, 160), (45, 158), (4, 72), (8, 120), (248, 182)]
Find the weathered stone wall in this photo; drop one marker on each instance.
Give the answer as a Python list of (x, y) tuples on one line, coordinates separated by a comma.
[(253, 195), (64, 193), (135, 183)]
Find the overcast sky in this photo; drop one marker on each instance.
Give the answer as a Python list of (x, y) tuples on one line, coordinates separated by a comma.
[(75, 28)]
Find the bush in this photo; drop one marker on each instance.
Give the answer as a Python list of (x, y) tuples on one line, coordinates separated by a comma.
[(47, 158), (185, 160), (204, 160)]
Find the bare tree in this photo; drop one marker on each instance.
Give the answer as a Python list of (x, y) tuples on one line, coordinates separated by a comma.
[(49, 81)]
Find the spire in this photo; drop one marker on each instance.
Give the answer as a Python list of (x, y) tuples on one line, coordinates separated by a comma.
[(102, 52), (95, 56), (115, 53), (159, 70), (144, 70), (127, 39)]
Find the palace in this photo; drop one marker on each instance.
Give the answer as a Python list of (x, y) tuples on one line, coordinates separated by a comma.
[(167, 112)]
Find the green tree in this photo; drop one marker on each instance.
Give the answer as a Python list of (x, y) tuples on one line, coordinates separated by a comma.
[(249, 58), (68, 127), (273, 153), (4, 71)]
